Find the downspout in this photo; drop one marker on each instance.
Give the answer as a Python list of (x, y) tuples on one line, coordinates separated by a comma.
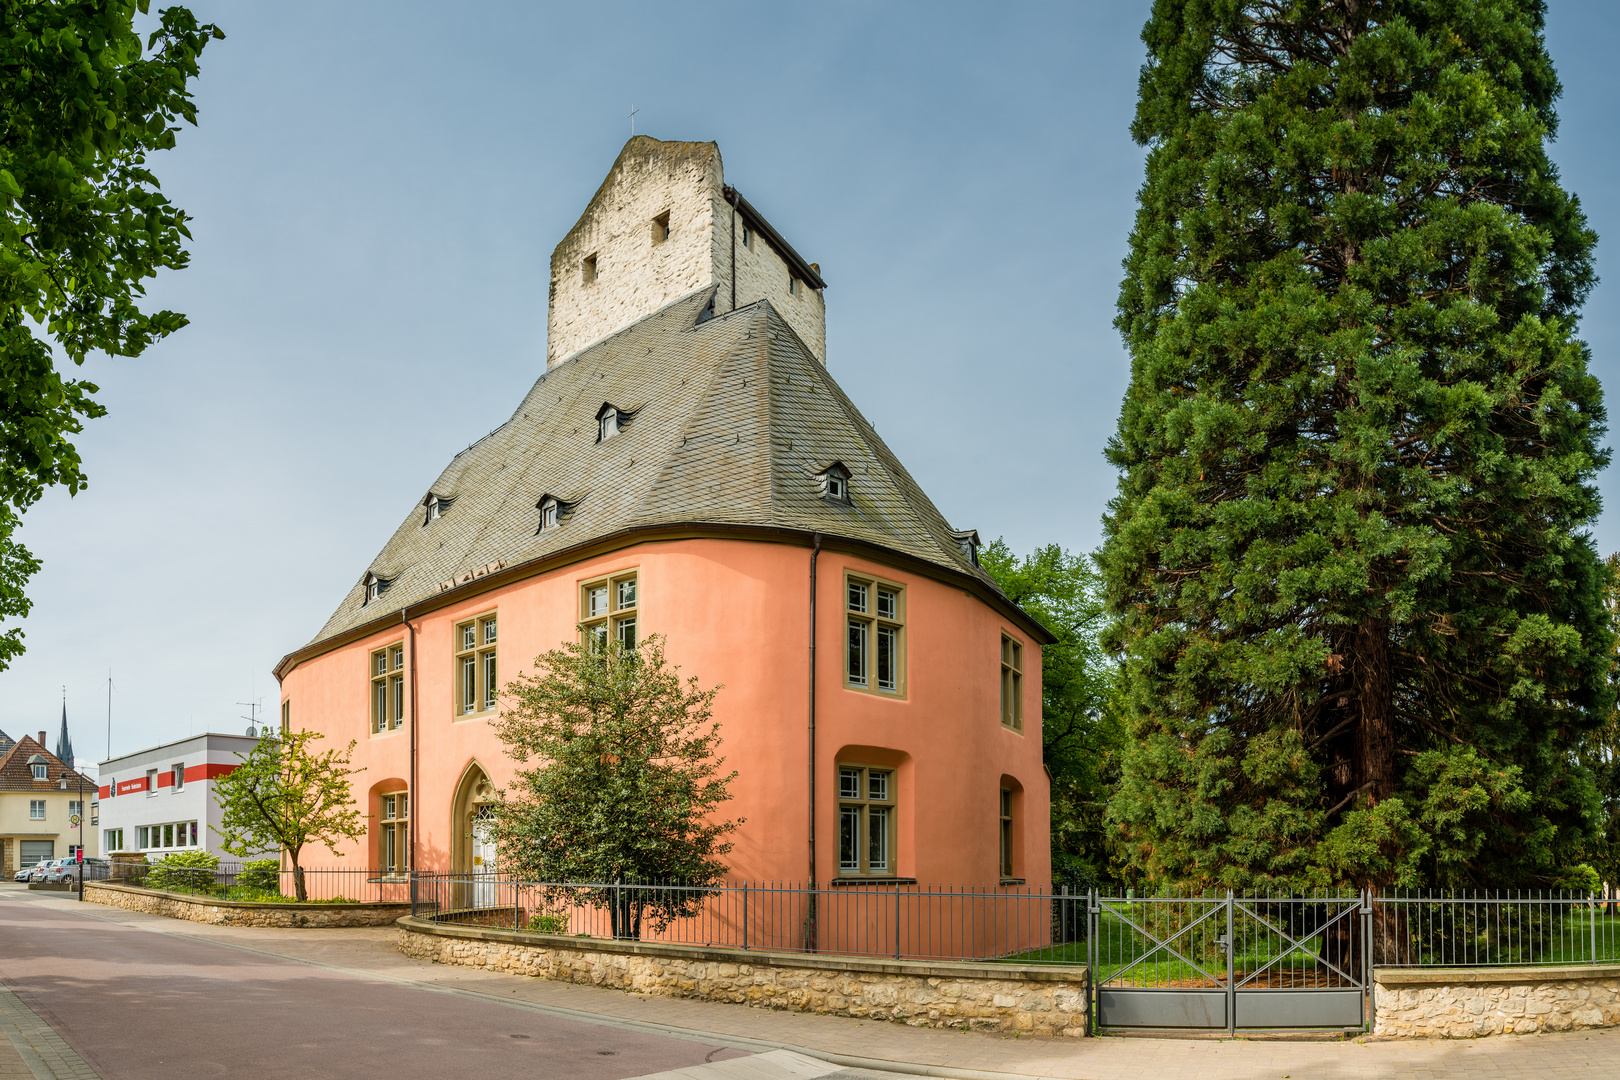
[(810, 929), (410, 818)]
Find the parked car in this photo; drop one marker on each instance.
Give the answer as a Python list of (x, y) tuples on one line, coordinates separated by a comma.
[(22, 875), (93, 869), (40, 869)]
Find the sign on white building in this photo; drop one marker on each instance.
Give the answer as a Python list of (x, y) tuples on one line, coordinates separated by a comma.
[(159, 801)]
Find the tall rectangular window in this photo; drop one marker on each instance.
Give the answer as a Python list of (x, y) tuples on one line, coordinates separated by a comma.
[(874, 656), (179, 775), (286, 715), (866, 821), (477, 686), (36, 809), (1012, 684), (151, 782), (1006, 833), (608, 610), (387, 689), (393, 847)]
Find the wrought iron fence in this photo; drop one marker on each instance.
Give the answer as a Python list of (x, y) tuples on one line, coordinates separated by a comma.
[(902, 920), (238, 881), (1524, 927)]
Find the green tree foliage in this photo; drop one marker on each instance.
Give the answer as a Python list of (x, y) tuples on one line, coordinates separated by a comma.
[(1081, 733), (82, 225), (626, 786), (1601, 752), (194, 871), (286, 796), (1363, 626)]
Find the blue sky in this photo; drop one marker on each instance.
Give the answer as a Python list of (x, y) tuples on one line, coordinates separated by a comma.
[(377, 189)]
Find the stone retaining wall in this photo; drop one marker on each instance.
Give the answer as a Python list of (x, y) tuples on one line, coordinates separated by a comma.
[(1466, 1003), (982, 996), (240, 913)]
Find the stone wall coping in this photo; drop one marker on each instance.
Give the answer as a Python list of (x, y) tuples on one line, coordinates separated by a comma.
[(926, 969), (1453, 976), (214, 901)]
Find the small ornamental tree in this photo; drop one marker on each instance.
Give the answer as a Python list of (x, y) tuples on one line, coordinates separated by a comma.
[(1360, 612), (625, 785), (284, 796)]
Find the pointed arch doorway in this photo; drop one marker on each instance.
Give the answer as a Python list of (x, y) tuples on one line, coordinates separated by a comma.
[(472, 850)]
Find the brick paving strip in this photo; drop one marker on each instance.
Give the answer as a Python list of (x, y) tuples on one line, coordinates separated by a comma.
[(370, 953), (32, 1049)]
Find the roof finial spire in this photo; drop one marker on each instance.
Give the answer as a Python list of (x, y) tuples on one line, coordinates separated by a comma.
[(633, 111)]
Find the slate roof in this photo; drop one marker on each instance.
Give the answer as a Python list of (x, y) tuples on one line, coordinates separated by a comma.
[(6, 742), (732, 417), (15, 774)]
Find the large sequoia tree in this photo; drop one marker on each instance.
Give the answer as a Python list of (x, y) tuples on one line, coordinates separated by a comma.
[(1362, 624)]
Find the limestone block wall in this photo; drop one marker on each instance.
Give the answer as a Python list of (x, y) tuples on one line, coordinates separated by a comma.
[(982, 997), (617, 265), (238, 913), (762, 274), (1467, 1003), (635, 274)]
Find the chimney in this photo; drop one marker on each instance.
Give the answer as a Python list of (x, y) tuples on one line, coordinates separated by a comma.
[(42, 739)]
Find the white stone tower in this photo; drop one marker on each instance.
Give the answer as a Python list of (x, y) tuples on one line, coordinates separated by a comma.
[(662, 224)]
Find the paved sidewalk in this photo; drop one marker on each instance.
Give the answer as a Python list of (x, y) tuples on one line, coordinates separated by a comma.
[(370, 952), (31, 1050)]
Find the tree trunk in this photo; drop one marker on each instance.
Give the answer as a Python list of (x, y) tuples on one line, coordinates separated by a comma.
[(1374, 763), (298, 882)]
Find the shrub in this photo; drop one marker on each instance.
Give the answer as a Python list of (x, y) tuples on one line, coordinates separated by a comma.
[(183, 871), (261, 875), (548, 924)]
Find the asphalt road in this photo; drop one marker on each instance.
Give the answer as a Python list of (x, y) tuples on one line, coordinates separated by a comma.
[(137, 1005)]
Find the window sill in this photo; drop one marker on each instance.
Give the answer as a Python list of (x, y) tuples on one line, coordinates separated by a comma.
[(485, 715), (389, 879), (1012, 881), (884, 879), (392, 731)]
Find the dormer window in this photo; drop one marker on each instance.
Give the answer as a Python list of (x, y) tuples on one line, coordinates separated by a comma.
[(374, 587), (968, 541), (610, 420), (553, 511), (833, 483), (39, 767), (437, 506)]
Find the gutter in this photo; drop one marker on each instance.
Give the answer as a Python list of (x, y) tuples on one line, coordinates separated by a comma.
[(801, 269), (972, 584)]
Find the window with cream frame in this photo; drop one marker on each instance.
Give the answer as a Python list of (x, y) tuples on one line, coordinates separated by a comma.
[(1012, 684), (866, 821), (608, 610), (387, 689), (476, 682), (394, 832), (875, 635)]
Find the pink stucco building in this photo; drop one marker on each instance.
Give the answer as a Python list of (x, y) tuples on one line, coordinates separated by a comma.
[(692, 469)]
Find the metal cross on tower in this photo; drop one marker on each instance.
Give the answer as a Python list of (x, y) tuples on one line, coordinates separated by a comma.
[(633, 111)]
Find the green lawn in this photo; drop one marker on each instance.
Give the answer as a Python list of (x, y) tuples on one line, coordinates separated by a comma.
[(1523, 936)]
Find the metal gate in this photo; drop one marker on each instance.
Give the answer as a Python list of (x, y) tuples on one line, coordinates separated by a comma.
[(1230, 962)]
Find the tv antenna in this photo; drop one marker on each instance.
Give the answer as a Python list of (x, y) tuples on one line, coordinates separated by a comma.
[(252, 717)]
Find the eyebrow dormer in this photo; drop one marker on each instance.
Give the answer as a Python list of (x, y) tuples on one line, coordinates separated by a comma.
[(610, 420), (373, 585), (435, 506), (832, 483), (554, 511), (968, 541)]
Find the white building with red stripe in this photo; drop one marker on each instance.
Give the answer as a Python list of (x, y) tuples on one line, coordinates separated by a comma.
[(161, 800)]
